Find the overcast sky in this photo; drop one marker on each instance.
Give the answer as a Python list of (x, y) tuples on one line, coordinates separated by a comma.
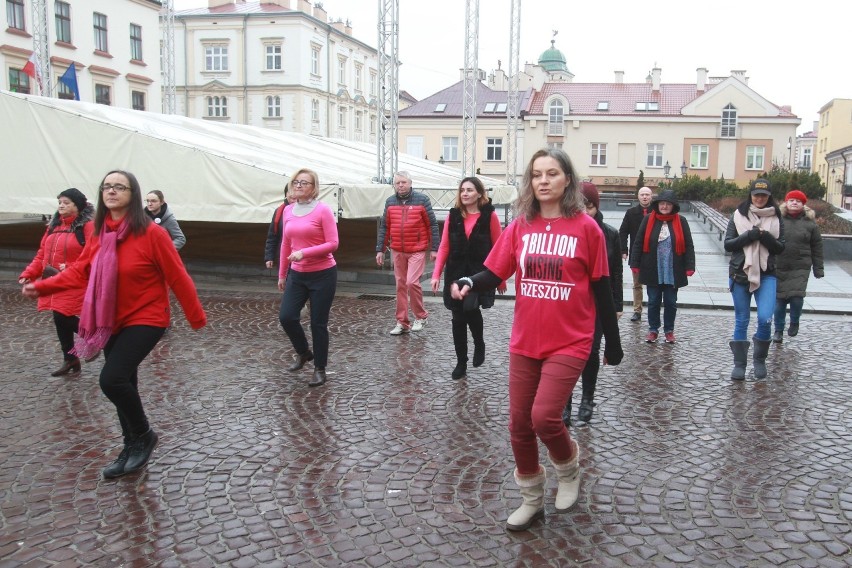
[(795, 54)]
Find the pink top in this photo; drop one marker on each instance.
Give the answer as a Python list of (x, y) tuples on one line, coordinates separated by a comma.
[(554, 303), (315, 234), (469, 222)]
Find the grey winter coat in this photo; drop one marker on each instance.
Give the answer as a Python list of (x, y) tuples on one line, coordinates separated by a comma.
[(803, 252), (167, 220)]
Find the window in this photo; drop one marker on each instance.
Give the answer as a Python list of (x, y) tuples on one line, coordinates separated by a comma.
[(450, 148), (217, 107), (15, 14), (655, 156), (598, 154), (273, 57), (315, 60), (103, 94), (501, 107), (135, 42), (754, 157), (273, 107), (359, 121), (359, 78), (557, 145), (63, 22), (314, 110), (341, 117), (699, 156), (603, 105), (19, 82), (137, 99), (65, 91), (645, 106), (100, 25), (341, 71), (556, 118), (216, 58), (440, 107), (372, 124), (374, 81), (493, 149), (806, 158), (729, 122), (489, 107)]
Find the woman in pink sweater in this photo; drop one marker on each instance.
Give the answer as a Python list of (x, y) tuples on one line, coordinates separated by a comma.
[(308, 271)]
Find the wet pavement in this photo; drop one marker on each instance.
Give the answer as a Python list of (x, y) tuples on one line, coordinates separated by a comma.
[(392, 463)]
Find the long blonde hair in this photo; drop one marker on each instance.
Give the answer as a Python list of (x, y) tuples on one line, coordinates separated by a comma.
[(571, 204)]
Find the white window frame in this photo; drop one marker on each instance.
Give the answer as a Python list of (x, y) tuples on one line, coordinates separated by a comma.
[(273, 106), (598, 155), (100, 26), (493, 149), (729, 122), (315, 59), (359, 78), (359, 121), (555, 118), (315, 114), (655, 156), (217, 106), (699, 157), (341, 71), (215, 58), (273, 57), (341, 116), (15, 15), (62, 12), (374, 83), (755, 157), (136, 42), (450, 148)]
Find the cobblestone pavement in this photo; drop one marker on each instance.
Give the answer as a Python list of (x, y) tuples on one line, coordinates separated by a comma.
[(394, 464)]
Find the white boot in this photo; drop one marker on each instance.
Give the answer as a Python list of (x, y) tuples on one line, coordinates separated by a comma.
[(532, 490), (568, 475)]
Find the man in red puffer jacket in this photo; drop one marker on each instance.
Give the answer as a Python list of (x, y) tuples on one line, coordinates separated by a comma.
[(409, 228)]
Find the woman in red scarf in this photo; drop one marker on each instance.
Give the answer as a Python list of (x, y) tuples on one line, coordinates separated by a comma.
[(663, 255), (125, 320), (61, 245)]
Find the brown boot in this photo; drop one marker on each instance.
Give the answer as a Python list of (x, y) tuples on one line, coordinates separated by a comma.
[(70, 366), (300, 360)]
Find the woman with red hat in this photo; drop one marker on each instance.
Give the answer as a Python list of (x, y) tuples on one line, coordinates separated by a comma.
[(793, 266)]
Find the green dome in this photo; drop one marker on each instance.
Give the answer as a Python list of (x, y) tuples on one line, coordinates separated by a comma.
[(553, 59)]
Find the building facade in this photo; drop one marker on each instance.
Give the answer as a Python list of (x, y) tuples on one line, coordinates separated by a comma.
[(832, 153), (277, 66), (113, 45)]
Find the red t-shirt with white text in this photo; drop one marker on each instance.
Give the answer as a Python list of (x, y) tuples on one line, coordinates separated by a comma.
[(554, 304)]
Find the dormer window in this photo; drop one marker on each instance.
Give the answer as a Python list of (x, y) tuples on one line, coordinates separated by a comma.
[(501, 107), (489, 107), (440, 107), (603, 105), (647, 106)]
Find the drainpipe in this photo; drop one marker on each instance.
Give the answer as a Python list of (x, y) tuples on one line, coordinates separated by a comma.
[(245, 69), (185, 69)]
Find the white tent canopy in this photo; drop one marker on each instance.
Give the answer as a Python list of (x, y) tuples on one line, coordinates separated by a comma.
[(209, 171)]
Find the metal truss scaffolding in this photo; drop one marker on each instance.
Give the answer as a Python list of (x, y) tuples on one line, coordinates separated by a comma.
[(41, 42), (471, 80), (513, 98), (387, 144), (168, 51)]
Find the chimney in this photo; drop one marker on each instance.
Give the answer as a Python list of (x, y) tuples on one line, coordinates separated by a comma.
[(338, 25), (655, 78), (320, 13), (740, 74), (701, 80), (282, 3), (619, 77), (217, 3), (303, 6), (348, 27)]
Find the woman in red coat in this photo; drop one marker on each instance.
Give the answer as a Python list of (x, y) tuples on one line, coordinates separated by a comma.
[(60, 247), (127, 270)]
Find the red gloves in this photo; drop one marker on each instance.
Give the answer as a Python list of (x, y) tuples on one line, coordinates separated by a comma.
[(690, 272)]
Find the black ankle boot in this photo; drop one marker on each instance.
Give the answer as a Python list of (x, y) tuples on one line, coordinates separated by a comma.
[(478, 353), (300, 360), (793, 330), (460, 370), (318, 378), (69, 366), (778, 336), (116, 468), (584, 413), (140, 451)]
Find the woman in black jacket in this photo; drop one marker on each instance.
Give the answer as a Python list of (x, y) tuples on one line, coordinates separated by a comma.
[(471, 229), (664, 257)]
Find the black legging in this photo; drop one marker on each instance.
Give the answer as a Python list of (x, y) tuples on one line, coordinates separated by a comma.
[(461, 321), (319, 287), (119, 379), (66, 327), (593, 365)]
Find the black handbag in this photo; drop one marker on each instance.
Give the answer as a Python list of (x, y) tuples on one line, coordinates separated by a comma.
[(49, 271)]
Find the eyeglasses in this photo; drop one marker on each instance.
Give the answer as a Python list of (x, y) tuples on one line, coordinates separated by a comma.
[(301, 183), (119, 187)]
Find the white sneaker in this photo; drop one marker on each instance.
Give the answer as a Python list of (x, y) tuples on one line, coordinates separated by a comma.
[(418, 324), (399, 329)]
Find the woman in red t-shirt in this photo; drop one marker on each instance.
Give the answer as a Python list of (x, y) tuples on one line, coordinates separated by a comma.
[(126, 269), (558, 256)]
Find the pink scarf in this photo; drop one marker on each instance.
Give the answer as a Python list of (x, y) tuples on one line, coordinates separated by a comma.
[(97, 318)]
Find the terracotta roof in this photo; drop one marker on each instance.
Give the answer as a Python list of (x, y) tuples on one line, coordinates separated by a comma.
[(246, 8), (583, 98), (453, 99)]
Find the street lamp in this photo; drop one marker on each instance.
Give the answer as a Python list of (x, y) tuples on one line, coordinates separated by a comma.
[(666, 169), (790, 152), (683, 169)]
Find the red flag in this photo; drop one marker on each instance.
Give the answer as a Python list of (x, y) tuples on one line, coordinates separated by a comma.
[(30, 68)]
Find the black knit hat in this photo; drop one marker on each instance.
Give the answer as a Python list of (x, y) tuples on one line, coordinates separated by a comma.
[(76, 196)]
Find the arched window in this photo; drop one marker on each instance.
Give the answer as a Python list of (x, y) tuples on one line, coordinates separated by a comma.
[(273, 107), (556, 112), (729, 122)]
